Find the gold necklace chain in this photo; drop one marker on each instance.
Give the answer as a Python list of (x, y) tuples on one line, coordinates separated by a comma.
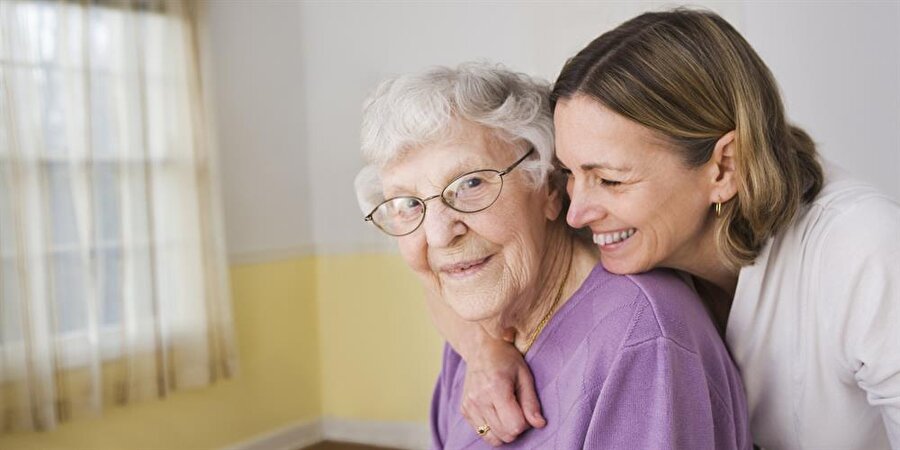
[(540, 327)]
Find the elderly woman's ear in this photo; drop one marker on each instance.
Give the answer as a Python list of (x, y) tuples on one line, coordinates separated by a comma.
[(554, 203)]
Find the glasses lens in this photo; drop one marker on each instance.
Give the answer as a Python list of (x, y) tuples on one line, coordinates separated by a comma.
[(399, 215), (474, 191)]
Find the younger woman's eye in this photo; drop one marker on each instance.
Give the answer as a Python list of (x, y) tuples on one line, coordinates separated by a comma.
[(597, 180)]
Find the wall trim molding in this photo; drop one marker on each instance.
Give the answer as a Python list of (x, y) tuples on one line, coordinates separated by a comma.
[(403, 435), (292, 437)]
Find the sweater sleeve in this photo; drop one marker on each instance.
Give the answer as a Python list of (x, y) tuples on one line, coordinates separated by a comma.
[(440, 400), (657, 396), (860, 272)]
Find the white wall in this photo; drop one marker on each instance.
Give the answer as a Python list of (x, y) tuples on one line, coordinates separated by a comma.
[(290, 78), (838, 65), (260, 110)]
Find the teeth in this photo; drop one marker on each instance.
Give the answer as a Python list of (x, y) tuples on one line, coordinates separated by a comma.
[(612, 238)]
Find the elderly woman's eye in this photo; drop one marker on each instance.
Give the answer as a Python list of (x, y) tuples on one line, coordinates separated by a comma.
[(411, 207), (609, 182), (471, 183), (403, 208)]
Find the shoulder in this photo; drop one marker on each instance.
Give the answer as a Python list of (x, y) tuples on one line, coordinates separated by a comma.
[(663, 305), (849, 227), (644, 287), (848, 209), (676, 309), (671, 344)]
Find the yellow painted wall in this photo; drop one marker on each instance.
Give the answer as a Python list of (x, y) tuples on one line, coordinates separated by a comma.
[(380, 352), (344, 336), (275, 316)]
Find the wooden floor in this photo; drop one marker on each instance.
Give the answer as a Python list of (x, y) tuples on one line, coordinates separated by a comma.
[(344, 446)]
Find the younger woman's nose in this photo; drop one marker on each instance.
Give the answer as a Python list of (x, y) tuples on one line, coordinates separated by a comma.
[(583, 208)]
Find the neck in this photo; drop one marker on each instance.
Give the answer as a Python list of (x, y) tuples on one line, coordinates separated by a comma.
[(714, 280), (565, 263), (719, 277), (717, 302), (702, 261)]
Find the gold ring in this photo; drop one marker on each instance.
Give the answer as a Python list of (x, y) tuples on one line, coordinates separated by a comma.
[(483, 430)]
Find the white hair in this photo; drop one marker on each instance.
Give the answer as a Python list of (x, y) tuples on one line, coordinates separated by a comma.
[(410, 111)]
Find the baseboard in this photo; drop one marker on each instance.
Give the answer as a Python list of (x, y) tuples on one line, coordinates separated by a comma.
[(405, 435), (292, 437)]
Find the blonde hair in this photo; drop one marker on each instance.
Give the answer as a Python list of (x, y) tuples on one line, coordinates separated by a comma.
[(692, 77)]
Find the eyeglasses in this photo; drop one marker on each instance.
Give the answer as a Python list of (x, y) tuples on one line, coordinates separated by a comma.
[(468, 193)]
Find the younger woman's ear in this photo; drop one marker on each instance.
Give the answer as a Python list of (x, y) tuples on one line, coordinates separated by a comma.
[(722, 167)]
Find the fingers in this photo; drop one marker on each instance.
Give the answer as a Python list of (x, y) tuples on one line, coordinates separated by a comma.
[(512, 420), (531, 406), (501, 412), (490, 437), (499, 391), (494, 437)]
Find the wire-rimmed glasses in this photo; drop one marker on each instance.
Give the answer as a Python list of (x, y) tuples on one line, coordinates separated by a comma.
[(468, 193)]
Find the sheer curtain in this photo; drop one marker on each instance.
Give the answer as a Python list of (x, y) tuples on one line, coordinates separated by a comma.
[(113, 283)]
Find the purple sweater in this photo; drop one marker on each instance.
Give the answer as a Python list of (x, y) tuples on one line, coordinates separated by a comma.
[(628, 362)]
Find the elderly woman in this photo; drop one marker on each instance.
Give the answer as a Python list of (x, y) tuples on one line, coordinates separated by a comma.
[(460, 174), (675, 135)]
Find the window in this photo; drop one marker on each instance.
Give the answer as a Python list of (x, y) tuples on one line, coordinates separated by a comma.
[(109, 244)]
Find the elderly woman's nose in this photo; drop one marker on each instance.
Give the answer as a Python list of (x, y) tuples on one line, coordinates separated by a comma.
[(442, 225)]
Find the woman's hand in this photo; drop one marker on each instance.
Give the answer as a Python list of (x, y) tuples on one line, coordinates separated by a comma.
[(499, 392)]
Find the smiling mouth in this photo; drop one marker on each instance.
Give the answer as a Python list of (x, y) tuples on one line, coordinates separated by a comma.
[(466, 268), (613, 237)]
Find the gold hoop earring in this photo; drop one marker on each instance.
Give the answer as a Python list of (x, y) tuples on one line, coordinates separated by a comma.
[(718, 209)]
